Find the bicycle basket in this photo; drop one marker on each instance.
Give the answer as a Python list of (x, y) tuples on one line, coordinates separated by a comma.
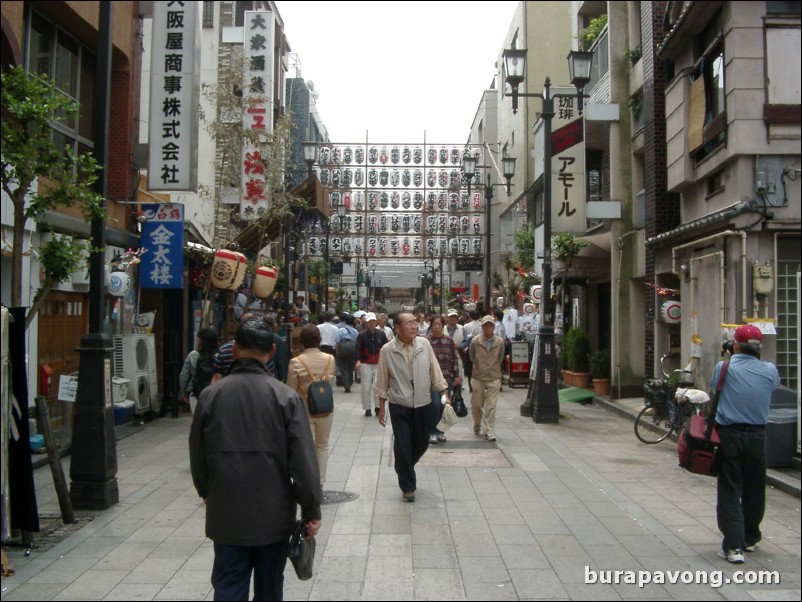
[(653, 390)]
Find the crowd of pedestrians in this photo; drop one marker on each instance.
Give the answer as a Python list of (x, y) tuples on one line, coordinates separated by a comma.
[(408, 370)]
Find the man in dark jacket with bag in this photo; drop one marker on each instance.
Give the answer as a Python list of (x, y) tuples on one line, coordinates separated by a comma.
[(742, 414), (253, 461)]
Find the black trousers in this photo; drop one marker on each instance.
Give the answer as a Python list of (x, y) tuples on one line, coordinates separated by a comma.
[(233, 565), (741, 485), (411, 440)]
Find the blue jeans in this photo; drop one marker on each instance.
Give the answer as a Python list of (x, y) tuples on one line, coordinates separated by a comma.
[(741, 484), (233, 565)]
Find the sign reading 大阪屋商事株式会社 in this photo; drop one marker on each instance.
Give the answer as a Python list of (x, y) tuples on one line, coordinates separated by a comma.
[(174, 87)]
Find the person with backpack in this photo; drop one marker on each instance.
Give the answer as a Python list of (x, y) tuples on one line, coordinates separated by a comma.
[(196, 374), (346, 351), (311, 374)]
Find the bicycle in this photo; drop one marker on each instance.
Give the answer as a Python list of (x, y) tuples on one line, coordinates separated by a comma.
[(668, 401)]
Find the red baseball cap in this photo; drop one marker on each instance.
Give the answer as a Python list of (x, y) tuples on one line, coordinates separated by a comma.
[(748, 333)]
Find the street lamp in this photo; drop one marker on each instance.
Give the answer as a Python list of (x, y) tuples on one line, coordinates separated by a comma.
[(310, 157), (542, 402), (508, 171)]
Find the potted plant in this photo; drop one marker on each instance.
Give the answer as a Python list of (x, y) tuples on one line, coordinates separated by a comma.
[(577, 349), (600, 371)]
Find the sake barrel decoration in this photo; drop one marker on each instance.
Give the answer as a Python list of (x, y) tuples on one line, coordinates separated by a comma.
[(119, 283), (228, 269), (536, 293), (264, 280)]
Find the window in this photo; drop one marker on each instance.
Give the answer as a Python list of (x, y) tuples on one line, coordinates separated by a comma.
[(788, 268), (56, 55), (208, 15), (715, 183), (782, 8)]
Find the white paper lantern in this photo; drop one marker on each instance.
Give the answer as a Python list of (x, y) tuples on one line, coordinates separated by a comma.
[(671, 312), (228, 269), (264, 281), (119, 283)]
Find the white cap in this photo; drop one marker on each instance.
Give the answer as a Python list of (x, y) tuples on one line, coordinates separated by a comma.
[(452, 312), (359, 313), (488, 320), (369, 316)]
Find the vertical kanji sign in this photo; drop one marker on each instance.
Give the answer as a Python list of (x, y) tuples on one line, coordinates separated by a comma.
[(258, 91), (567, 164), (174, 87), (162, 265)]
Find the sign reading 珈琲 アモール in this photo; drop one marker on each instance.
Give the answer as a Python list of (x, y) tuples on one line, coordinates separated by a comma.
[(567, 164)]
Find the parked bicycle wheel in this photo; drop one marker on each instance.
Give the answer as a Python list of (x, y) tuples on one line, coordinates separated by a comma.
[(652, 424)]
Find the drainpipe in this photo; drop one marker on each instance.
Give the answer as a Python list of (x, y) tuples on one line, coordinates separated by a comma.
[(618, 320)]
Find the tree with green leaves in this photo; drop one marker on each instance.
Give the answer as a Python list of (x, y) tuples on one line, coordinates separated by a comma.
[(38, 177)]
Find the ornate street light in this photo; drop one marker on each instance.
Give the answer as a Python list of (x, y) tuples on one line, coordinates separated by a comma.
[(542, 402), (508, 171), (310, 158)]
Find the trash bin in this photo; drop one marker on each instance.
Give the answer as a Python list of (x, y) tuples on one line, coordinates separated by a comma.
[(781, 437)]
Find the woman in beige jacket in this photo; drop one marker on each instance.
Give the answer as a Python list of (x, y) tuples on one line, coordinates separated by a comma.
[(310, 365)]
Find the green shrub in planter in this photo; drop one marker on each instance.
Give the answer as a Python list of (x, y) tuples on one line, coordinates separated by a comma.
[(600, 364), (578, 350)]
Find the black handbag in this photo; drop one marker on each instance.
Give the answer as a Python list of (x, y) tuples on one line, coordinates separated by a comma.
[(460, 409), (301, 551)]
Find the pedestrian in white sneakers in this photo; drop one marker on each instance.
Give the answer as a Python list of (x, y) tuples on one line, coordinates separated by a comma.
[(486, 352)]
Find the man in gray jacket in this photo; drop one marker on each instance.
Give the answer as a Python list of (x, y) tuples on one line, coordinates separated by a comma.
[(407, 372), (253, 461)]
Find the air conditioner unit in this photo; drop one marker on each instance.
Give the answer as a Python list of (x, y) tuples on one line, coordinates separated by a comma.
[(135, 359)]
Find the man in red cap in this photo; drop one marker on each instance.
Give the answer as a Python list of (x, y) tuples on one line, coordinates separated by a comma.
[(742, 414)]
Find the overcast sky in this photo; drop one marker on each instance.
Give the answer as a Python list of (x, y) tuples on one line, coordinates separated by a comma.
[(397, 69)]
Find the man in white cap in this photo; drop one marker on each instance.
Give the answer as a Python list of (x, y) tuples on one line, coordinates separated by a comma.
[(486, 352), (368, 345), (457, 334)]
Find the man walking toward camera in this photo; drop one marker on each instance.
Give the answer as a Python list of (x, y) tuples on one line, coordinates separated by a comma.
[(406, 374), (252, 461), (742, 414), (486, 352)]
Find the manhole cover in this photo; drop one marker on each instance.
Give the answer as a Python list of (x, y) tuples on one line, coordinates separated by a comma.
[(338, 497)]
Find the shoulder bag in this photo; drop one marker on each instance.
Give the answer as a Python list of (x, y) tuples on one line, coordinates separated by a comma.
[(697, 444)]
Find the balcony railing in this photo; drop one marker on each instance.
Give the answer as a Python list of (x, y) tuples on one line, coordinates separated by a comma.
[(601, 60)]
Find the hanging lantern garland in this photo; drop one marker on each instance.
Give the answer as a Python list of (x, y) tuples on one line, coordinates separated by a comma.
[(664, 291)]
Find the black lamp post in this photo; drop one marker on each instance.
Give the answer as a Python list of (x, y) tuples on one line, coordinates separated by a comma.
[(93, 470), (508, 171), (310, 157), (542, 402)]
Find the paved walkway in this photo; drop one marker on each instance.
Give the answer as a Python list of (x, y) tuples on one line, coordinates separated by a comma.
[(527, 517)]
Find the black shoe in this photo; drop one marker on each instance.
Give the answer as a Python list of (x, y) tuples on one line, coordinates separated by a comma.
[(367, 412), (348, 390)]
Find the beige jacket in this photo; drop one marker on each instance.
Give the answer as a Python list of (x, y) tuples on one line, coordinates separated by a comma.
[(486, 355), (319, 363), (404, 384)]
